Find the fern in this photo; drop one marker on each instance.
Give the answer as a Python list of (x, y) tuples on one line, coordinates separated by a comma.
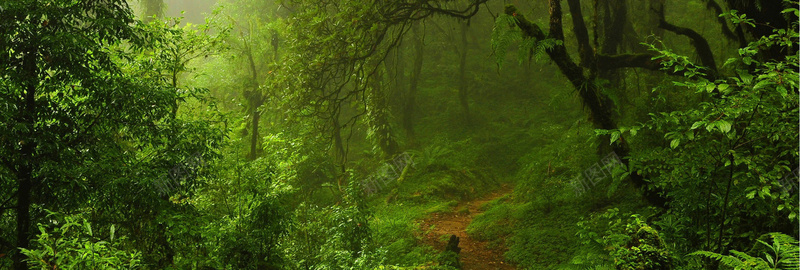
[(787, 250), (784, 249), (432, 155), (504, 33), (531, 48), (738, 261)]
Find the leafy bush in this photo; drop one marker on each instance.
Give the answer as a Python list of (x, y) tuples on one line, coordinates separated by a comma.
[(631, 243), (248, 212), (70, 243), (729, 159), (333, 237)]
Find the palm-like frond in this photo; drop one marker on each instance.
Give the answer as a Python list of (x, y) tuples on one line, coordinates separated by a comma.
[(784, 254)]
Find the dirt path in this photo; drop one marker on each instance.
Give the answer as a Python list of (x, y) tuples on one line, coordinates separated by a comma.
[(475, 255)]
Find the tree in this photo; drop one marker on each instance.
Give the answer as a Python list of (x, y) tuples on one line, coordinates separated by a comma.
[(413, 81), (87, 126), (730, 158), (336, 47), (601, 108), (378, 116), (727, 158), (604, 60), (175, 47), (250, 44)]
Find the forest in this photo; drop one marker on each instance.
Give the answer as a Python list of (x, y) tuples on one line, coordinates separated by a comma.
[(399, 134)]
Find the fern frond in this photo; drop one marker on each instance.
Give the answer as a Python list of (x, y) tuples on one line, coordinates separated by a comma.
[(526, 49), (504, 33), (786, 250), (731, 261), (785, 255)]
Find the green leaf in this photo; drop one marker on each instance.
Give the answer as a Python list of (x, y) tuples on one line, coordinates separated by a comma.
[(729, 61), (614, 136), (711, 126), (723, 87), (761, 84), (675, 143), (765, 192), (710, 87), (88, 228), (724, 126), (697, 124)]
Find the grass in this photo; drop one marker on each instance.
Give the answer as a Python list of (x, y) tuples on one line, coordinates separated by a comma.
[(495, 223), (395, 228)]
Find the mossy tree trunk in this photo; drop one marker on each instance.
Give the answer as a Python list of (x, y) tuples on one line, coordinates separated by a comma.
[(378, 115)]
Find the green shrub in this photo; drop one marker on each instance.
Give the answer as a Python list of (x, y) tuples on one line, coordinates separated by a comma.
[(631, 243), (449, 259), (70, 243)]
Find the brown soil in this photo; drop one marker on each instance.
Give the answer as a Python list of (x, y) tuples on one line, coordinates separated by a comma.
[(475, 255)]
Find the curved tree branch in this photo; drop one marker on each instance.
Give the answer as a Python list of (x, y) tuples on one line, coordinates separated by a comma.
[(400, 11), (641, 60), (711, 4), (698, 41)]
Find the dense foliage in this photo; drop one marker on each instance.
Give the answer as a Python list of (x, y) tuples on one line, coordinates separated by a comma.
[(368, 134)]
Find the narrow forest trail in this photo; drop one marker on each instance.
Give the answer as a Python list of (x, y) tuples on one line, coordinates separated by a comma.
[(475, 254)]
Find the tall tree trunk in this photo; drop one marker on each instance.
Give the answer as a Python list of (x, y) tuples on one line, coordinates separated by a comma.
[(396, 67), (254, 138), (378, 115), (255, 100), (416, 74), (615, 18), (463, 96), (24, 185), (338, 147), (24, 174)]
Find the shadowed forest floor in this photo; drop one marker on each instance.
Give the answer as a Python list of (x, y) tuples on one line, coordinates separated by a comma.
[(475, 254)]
